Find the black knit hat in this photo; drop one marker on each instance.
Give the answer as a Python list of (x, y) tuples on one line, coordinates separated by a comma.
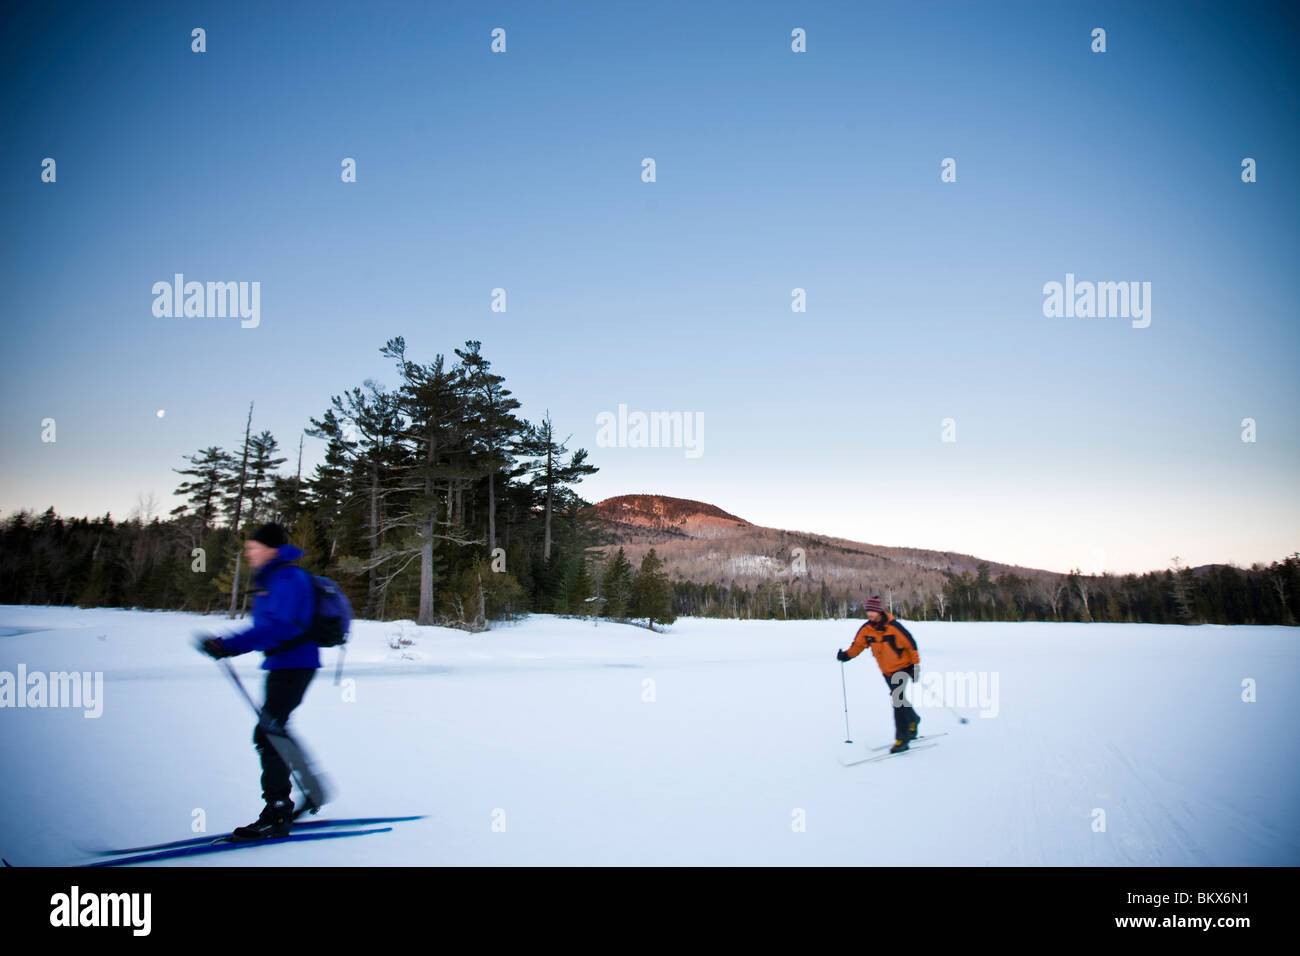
[(272, 535)]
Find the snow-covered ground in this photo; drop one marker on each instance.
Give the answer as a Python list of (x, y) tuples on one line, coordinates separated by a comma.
[(559, 741)]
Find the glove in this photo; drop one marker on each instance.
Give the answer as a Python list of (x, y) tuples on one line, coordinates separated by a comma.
[(841, 656), (214, 648)]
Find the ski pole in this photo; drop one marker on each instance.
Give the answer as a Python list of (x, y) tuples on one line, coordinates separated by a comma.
[(945, 706), (845, 688), (267, 725), (240, 684)]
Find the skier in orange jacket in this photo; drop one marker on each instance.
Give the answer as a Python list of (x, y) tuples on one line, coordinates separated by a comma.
[(895, 651)]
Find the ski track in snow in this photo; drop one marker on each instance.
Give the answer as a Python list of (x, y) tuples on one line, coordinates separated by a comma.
[(547, 720)]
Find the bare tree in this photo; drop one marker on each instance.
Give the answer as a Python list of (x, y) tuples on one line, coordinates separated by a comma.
[(297, 479), (1279, 585), (1182, 604), (1051, 589), (239, 506), (146, 506), (1081, 585)]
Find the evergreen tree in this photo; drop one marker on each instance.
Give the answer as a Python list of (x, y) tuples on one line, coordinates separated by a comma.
[(552, 472), (444, 439), (262, 464), (330, 494), (208, 468), (652, 594), (616, 586), (580, 588), (366, 427), (498, 429)]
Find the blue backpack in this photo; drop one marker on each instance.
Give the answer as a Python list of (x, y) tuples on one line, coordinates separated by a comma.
[(332, 617), (330, 621)]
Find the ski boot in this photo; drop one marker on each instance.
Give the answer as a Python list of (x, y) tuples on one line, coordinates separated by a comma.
[(914, 728), (276, 820), (899, 747)]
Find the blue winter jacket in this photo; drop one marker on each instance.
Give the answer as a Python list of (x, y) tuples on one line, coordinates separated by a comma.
[(283, 611)]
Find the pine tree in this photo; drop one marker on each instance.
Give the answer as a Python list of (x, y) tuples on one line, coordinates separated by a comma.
[(208, 469), (580, 588), (365, 426), (652, 594), (260, 469), (443, 438), (498, 429), (617, 586), (330, 492), (552, 472)]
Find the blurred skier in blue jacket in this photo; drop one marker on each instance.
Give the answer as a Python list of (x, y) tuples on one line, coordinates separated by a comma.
[(283, 605)]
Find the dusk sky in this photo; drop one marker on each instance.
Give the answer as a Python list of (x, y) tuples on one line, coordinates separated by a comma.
[(1079, 441)]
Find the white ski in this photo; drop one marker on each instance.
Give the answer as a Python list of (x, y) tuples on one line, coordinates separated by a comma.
[(922, 737), (875, 757)]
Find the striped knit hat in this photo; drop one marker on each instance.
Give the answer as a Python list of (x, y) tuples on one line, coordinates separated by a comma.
[(873, 604)]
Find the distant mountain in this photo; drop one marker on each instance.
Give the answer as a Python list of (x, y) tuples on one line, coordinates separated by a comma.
[(700, 542), (695, 519)]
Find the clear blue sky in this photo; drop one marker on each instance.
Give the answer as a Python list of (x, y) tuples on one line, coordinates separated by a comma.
[(1080, 442)]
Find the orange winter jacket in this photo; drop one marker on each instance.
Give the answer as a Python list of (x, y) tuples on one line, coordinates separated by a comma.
[(890, 642)]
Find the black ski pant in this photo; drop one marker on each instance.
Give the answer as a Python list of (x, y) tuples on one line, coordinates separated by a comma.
[(904, 715), (284, 691)]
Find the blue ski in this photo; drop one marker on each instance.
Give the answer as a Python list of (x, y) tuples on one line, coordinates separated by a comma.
[(221, 847), (307, 825)]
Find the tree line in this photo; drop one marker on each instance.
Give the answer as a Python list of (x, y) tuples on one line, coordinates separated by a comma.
[(434, 501), (1218, 594)]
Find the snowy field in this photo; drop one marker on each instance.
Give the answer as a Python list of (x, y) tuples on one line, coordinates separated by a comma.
[(559, 741)]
